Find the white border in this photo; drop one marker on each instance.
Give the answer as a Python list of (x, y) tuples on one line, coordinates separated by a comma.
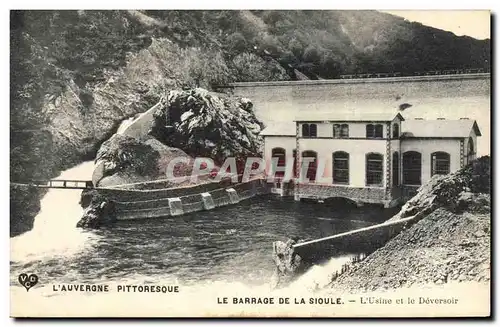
[(186, 4)]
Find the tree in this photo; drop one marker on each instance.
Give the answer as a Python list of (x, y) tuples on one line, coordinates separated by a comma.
[(312, 54), (237, 43), (296, 47), (331, 65)]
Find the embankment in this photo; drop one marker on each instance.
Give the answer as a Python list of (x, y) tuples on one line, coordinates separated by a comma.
[(104, 205), (450, 243), (441, 235)]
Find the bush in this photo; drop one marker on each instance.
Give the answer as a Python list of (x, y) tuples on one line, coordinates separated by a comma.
[(312, 54), (251, 68), (236, 43)]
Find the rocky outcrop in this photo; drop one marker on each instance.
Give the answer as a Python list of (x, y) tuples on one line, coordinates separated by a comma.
[(187, 124), (126, 160), (208, 124), (98, 210), (462, 190), (289, 264)]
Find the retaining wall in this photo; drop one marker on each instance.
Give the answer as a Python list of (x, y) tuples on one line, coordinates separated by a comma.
[(156, 203), (376, 195), (363, 240)]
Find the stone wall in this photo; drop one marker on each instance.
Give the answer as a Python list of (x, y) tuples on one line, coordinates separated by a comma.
[(358, 194), (158, 203), (126, 195), (363, 240)]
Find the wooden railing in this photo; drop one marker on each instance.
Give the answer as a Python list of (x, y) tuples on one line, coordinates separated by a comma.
[(60, 183)]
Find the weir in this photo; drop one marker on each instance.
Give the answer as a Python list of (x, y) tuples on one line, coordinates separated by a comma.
[(233, 196), (208, 201), (359, 240), (175, 205), (294, 257)]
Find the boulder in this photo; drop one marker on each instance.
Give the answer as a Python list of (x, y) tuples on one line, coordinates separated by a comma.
[(126, 160), (289, 264), (208, 124), (98, 211)]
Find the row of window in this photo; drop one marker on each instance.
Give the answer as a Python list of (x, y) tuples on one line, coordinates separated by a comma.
[(374, 168), (412, 166), (373, 131)]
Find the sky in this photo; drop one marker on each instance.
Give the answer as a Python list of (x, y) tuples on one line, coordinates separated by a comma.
[(461, 22)]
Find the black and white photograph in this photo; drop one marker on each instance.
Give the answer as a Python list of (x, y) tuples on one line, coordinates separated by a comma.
[(250, 163)]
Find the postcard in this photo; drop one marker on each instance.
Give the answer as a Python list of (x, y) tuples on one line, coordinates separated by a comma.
[(250, 163)]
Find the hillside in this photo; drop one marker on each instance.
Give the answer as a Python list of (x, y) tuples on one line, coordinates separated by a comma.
[(76, 74)]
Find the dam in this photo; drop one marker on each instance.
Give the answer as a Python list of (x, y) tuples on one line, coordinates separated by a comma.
[(371, 140), (429, 97)]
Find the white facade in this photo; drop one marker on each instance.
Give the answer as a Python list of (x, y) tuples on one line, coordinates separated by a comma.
[(426, 147), (413, 154)]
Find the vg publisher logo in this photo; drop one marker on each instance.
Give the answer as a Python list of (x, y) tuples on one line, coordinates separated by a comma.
[(28, 281)]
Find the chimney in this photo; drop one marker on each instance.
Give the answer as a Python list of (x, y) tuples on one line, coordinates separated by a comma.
[(419, 118), (464, 118), (441, 118)]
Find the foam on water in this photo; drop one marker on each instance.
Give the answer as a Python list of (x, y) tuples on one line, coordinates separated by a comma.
[(54, 232)]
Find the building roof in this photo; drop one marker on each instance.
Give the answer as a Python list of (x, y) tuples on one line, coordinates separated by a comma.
[(279, 129), (439, 128), (348, 116), (410, 128)]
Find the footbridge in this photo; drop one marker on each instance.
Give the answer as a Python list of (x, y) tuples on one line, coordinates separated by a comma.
[(59, 183)]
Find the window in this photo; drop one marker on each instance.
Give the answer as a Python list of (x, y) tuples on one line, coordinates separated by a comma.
[(412, 168), (395, 131), (313, 130), (340, 131), (471, 154), (374, 168), (344, 131), (311, 170), (309, 130), (374, 131), (305, 130), (336, 131), (279, 153), (395, 169), (340, 167), (440, 163)]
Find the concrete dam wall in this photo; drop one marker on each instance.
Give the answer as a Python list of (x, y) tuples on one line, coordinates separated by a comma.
[(140, 204), (429, 97)]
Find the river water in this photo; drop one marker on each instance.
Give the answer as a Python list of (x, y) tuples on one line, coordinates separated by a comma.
[(229, 244)]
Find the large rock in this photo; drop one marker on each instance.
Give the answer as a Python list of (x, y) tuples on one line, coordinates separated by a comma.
[(208, 124), (289, 264), (125, 160), (98, 210)]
